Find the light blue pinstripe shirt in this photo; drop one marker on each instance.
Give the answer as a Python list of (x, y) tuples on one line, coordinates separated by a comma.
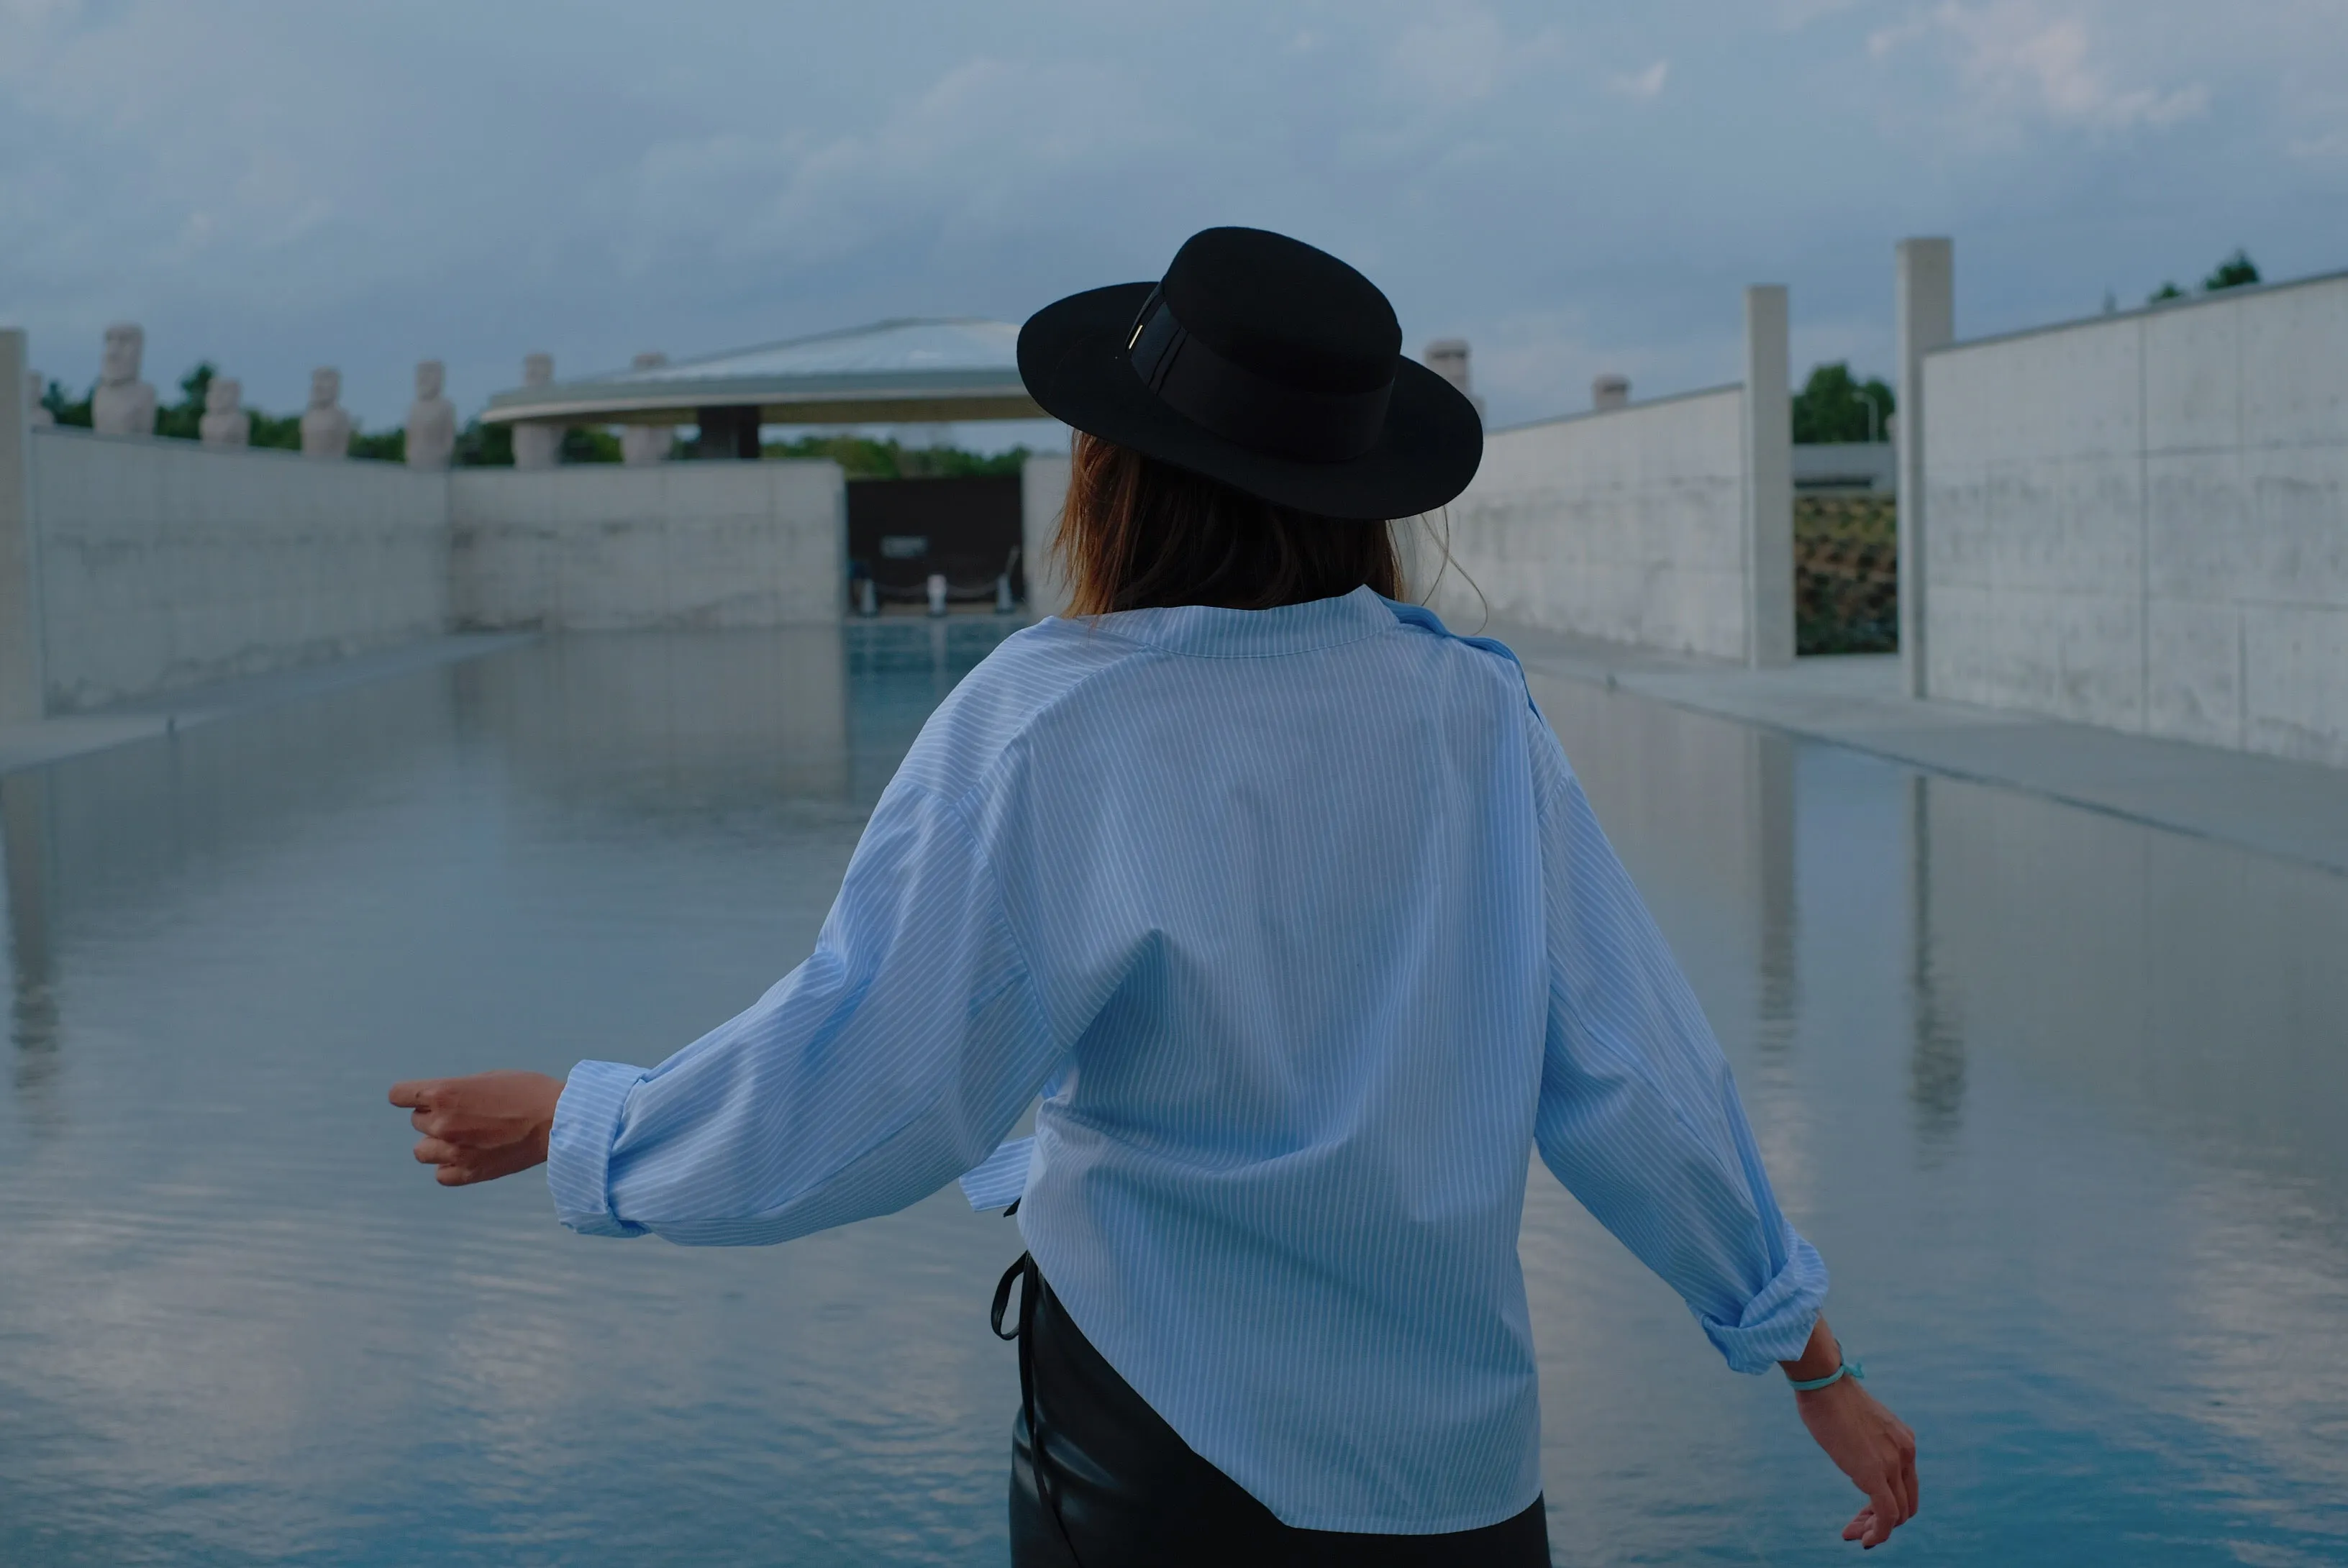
[(1302, 925)]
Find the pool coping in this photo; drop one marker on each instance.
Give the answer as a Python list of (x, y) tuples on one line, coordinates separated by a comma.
[(2291, 810), (2295, 811), (38, 743)]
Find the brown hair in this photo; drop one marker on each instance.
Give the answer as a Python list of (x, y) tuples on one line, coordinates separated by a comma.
[(1137, 535)]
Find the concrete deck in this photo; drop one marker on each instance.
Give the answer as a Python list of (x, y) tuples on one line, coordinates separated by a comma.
[(2295, 810), (44, 741)]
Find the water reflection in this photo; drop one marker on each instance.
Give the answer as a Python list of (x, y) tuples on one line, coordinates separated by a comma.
[(33, 1009), (1936, 1065), (2055, 1094), (2058, 1108)]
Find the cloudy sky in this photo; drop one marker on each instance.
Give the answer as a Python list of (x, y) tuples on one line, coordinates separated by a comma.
[(1573, 187)]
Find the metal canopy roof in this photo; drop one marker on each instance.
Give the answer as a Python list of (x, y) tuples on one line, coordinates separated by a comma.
[(892, 372)]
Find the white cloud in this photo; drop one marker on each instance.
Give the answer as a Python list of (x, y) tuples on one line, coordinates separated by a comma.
[(1456, 57), (1794, 14), (35, 13), (333, 184), (2330, 147), (1464, 55), (2013, 52), (1645, 84), (968, 152)]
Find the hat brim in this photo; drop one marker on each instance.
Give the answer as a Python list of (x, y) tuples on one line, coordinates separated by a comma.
[(1073, 357)]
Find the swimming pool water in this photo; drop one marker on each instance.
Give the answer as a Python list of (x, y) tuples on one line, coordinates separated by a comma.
[(2060, 1098)]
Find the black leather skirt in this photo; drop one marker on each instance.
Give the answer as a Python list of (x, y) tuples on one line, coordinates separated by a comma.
[(1118, 1488)]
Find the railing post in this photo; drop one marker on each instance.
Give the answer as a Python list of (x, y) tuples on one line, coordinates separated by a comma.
[(1928, 316), (1768, 441), (20, 560)]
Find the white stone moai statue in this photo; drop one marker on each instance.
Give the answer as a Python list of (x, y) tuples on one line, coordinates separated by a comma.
[(644, 444), (224, 422), (36, 413), (326, 428), (123, 405), (1609, 391), (537, 446), (431, 420)]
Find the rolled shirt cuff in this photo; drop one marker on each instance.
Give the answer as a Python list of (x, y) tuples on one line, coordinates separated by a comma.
[(1775, 1323), (579, 1150)]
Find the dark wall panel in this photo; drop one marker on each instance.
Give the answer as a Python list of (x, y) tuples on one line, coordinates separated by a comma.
[(900, 530)]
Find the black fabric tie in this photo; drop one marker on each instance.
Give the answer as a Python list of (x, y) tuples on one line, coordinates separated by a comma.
[(1029, 1279), (1239, 404)]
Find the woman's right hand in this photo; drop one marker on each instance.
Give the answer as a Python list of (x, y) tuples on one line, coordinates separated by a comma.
[(1872, 1446), (483, 1125)]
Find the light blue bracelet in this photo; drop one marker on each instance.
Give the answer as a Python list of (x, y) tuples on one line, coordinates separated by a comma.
[(1811, 1385)]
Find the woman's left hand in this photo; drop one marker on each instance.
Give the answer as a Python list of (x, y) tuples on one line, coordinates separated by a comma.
[(1872, 1446), (483, 1125)]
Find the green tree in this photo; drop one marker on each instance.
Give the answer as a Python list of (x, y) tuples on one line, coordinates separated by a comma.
[(2236, 270), (383, 447), (182, 420), (66, 410), (481, 446), (1834, 406), (276, 432), (863, 458), (589, 443), (2233, 272)]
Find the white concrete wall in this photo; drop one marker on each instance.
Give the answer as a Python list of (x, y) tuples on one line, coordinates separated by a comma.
[(1853, 466), (2142, 521), (165, 564), (608, 548), (1627, 525), (1924, 319), (1043, 488)]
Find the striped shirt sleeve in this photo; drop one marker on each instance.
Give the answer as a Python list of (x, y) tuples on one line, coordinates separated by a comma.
[(1638, 1115), (885, 1065)]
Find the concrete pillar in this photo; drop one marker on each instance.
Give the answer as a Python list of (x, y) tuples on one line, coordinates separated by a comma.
[(1768, 479), (1927, 309), (20, 557), (1448, 357), (643, 445), (537, 446), (1043, 488)]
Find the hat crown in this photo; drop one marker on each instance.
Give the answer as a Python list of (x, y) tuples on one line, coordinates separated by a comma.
[(1286, 311)]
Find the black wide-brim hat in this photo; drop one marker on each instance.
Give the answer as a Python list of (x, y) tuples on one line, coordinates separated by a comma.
[(1266, 363)]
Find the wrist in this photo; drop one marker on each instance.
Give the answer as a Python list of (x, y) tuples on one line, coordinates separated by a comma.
[(1845, 1377), (1819, 1358), (541, 1132)]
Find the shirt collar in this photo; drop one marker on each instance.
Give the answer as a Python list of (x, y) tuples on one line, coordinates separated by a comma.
[(1210, 632)]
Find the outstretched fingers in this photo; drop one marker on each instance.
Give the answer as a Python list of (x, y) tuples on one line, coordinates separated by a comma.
[(1884, 1504), (1890, 1499), (1908, 1472), (481, 1126), (487, 1165)]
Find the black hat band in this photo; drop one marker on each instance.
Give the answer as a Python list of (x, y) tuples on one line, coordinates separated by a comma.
[(1241, 405)]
